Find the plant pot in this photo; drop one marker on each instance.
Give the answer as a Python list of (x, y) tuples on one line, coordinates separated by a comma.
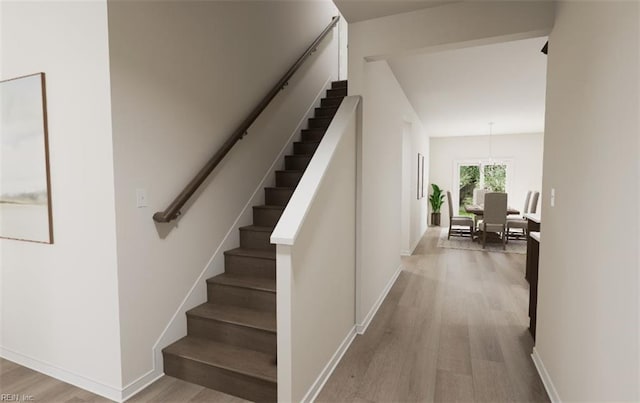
[(435, 219)]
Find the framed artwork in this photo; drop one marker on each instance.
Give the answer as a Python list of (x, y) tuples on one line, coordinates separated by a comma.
[(422, 175), (420, 184), (25, 185)]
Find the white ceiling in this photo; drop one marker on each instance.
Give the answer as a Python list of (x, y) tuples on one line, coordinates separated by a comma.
[(360, 10), (458, 92)]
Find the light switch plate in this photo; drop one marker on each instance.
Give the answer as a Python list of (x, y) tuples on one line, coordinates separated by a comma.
[(141, 198)]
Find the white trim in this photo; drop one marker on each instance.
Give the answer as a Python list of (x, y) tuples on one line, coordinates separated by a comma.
[(141, 383), (359, 219), (317, 386), (176, 328), (362, 327), (544, 376), (413, 247), (99, 388), (286, 232)]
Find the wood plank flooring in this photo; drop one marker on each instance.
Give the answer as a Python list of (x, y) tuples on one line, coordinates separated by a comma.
[(16, 379), (452, 329)]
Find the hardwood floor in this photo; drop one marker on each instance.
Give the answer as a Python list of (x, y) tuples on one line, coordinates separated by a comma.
[(453, 328), (18, 380)]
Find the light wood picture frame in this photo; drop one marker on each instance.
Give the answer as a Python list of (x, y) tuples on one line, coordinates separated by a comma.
[(25, 182)]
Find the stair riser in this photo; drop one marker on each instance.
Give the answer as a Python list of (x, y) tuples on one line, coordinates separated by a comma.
[(278, 197), (250, 266), (331, 102), (339, 84), (241, 336), (315, 123), (256, 240), (305, 148), (267, 217), (312, 135), (325, 112), (242, 297), (287, 179), (296, 162), (220, 379), (337, 92)]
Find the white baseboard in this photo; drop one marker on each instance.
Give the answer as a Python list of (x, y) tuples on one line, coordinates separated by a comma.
[(544, 376), (177, 326), (409, 252), (142, 383), (99, 388), (328, 369), (362, 327)]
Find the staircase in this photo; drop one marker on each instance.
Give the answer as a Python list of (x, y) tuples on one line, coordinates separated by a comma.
[(231, 339)]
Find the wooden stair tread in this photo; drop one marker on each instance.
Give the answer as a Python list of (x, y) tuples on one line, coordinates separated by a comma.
[(253, 282), (257, 228), (232, 358), (270, 206), (297, 171), (257, 253), (236, 315)]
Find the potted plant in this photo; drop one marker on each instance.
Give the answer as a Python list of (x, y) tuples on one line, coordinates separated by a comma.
[(436, 199)]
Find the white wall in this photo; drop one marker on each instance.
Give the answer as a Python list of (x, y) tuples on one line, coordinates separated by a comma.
[(323, 261), (184, 74), (60, 302), (418, 207), (413, 209), (523, 150), (588, 307), (386, 111), (316, 259), (406, 190)]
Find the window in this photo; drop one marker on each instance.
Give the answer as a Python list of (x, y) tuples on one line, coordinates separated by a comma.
[(484, 174)]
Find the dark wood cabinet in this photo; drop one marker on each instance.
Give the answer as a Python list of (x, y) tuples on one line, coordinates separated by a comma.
[(531, 274), (533, 253)]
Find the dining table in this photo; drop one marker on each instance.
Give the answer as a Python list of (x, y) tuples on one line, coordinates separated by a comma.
[(478, 211)]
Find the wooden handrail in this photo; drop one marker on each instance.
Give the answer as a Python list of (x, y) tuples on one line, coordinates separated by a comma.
[(173, 211)]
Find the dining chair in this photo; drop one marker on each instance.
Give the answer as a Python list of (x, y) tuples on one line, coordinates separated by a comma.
[(495, 216), (458, 221), (478, 196), (534, 202), (478, 200), (520, 222)]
